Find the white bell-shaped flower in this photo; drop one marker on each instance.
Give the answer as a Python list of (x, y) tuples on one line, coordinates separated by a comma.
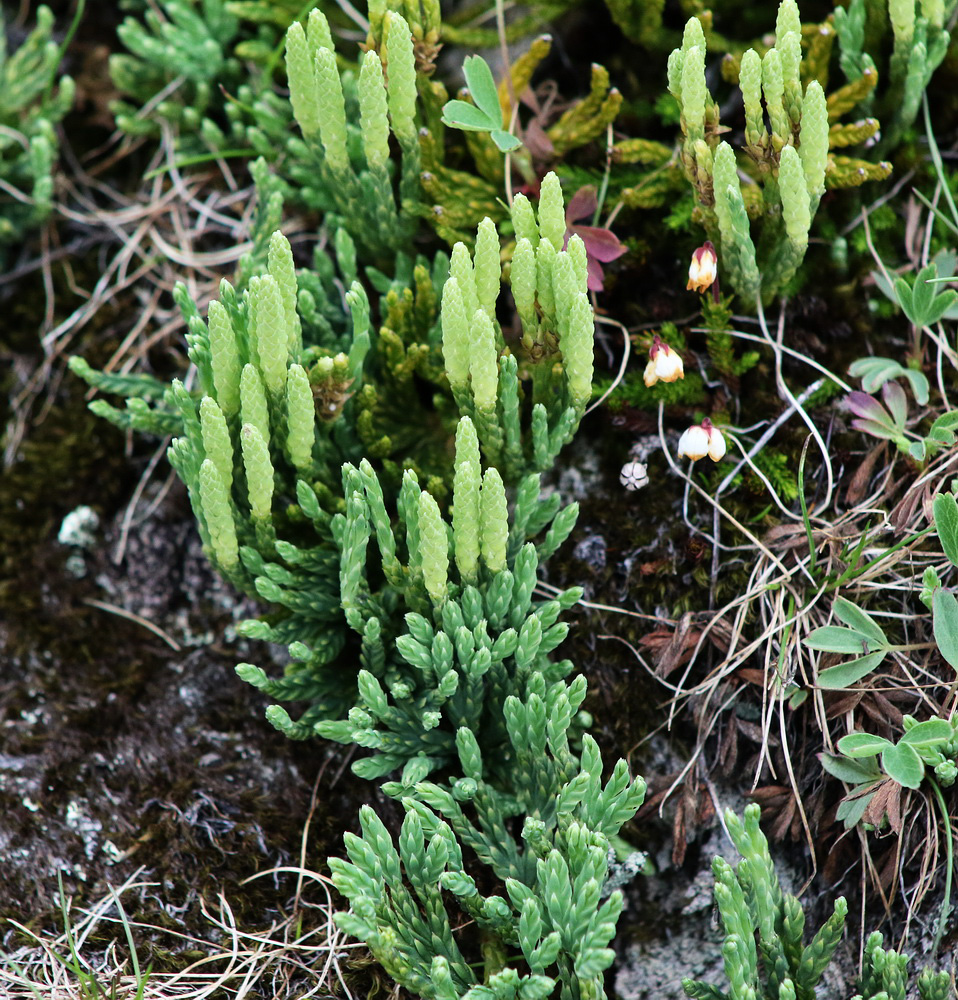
[(701, 440), (694, 443), (703, 269), (665, 364)]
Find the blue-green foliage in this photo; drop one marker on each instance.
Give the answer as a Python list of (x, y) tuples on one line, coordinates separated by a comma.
[(32, 100), (766, 955), (466, 689), (179, 56)]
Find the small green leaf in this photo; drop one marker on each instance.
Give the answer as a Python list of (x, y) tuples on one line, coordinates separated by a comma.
[(863, 744), (929, 733), (797, 697), (902, 763), (853, 616), (874, 372), (930, 582), (921, 302), (917, 450), (946, 523), (897, 403), (923, 294), (506, 141), (483, 88), (941, 435), (885, 431), (835, 639), (903, 294), (853, 772), (945, 610), (919, 384), (947, 421), (461, 114), (845, 674)]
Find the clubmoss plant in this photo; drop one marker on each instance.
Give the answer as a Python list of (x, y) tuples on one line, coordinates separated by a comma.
[(557, 331), (445, 332), (290, 387), (766, 957), (179, 55), (919, 44), (33, 101), (457, 679), (430, 652), (788, 158), (359, 184)]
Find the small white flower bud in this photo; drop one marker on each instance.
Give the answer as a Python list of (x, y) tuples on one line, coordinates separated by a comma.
[(694, 443), (668, 365), (704, 268), (634, 476), (717, 445), (665, 364), (701, 440)]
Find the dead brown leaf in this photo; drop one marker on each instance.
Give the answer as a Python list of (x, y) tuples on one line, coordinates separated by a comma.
[(858, 486), (885, 802)]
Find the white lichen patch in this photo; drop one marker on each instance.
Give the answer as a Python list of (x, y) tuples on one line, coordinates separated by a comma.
[(88, 828), (79, 527)]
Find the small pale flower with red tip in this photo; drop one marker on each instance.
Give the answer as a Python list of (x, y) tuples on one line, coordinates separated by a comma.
[(665, 365), (704, 268), (701, 440)]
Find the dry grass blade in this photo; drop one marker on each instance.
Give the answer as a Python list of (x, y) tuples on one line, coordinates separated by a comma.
[(295, 956)]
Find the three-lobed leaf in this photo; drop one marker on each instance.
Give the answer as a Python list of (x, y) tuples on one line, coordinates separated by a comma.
[(861, 636), (921, 302), (875, 372), (486, 114)]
